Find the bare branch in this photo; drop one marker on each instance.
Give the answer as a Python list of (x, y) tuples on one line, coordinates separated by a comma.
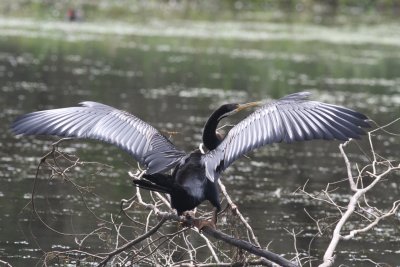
[(133, 242), (6, 264), (236, 211), (377, 174), (248, 247)]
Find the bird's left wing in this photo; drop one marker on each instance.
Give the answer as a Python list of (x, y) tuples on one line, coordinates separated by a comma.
[(101, 122), (291, 118)]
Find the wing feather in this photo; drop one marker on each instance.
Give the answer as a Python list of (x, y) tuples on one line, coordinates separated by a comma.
[(321, 129), (289, 119), (97, 121), (302, 127), (288, 128), (315, 130)]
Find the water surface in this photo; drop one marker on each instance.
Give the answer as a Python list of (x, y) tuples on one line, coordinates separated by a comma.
[(172, 75)]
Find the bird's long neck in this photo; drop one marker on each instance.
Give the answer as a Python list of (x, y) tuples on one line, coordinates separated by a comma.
[(210, 137)]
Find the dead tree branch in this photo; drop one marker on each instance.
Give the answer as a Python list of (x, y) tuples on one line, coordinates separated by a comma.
[(381, 168), (154, 245), (6, 264), (131, 243)]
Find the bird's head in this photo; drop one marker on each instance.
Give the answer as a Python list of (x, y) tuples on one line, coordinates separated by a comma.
[(230, 109), (211, 136)]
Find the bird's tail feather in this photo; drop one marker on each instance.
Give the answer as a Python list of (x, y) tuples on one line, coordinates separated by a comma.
[(156, 182), (151, 186)]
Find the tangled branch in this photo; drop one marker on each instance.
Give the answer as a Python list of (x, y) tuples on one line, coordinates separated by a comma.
[(378, 169), (156, 244), (147, 231), (358, 206)]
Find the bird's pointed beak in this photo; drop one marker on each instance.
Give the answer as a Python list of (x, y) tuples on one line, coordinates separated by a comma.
[(248, 105)]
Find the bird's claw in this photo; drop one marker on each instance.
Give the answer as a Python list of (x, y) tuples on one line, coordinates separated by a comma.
[(190, 221), (201, 224)]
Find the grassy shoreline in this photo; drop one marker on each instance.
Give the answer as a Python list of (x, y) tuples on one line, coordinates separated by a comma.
[(334, 12)]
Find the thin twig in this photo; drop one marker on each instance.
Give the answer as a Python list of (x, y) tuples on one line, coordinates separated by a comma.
[(238, 213), (132, 243)]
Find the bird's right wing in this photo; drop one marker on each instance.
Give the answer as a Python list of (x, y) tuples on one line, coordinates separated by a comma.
[(101, 122), (291, 118)]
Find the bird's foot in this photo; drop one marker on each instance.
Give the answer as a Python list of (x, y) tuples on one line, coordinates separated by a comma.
[(189, 219), (234, 209), (201, 224), (189, 214)]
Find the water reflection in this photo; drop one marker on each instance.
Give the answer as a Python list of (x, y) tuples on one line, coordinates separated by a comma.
[(186, 77)]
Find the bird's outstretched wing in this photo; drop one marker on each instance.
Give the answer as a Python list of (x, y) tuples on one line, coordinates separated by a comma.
[(291, 118), (101, 122)]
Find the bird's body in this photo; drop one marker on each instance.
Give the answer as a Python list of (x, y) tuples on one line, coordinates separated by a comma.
[(194, 175), (191, 186), (188, 185)]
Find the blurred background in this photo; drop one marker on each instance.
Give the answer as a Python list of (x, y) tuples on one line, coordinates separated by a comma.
[(171, 63), (301, 11)]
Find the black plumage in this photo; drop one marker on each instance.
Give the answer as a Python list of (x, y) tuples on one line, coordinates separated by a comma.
[(193, 178)]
